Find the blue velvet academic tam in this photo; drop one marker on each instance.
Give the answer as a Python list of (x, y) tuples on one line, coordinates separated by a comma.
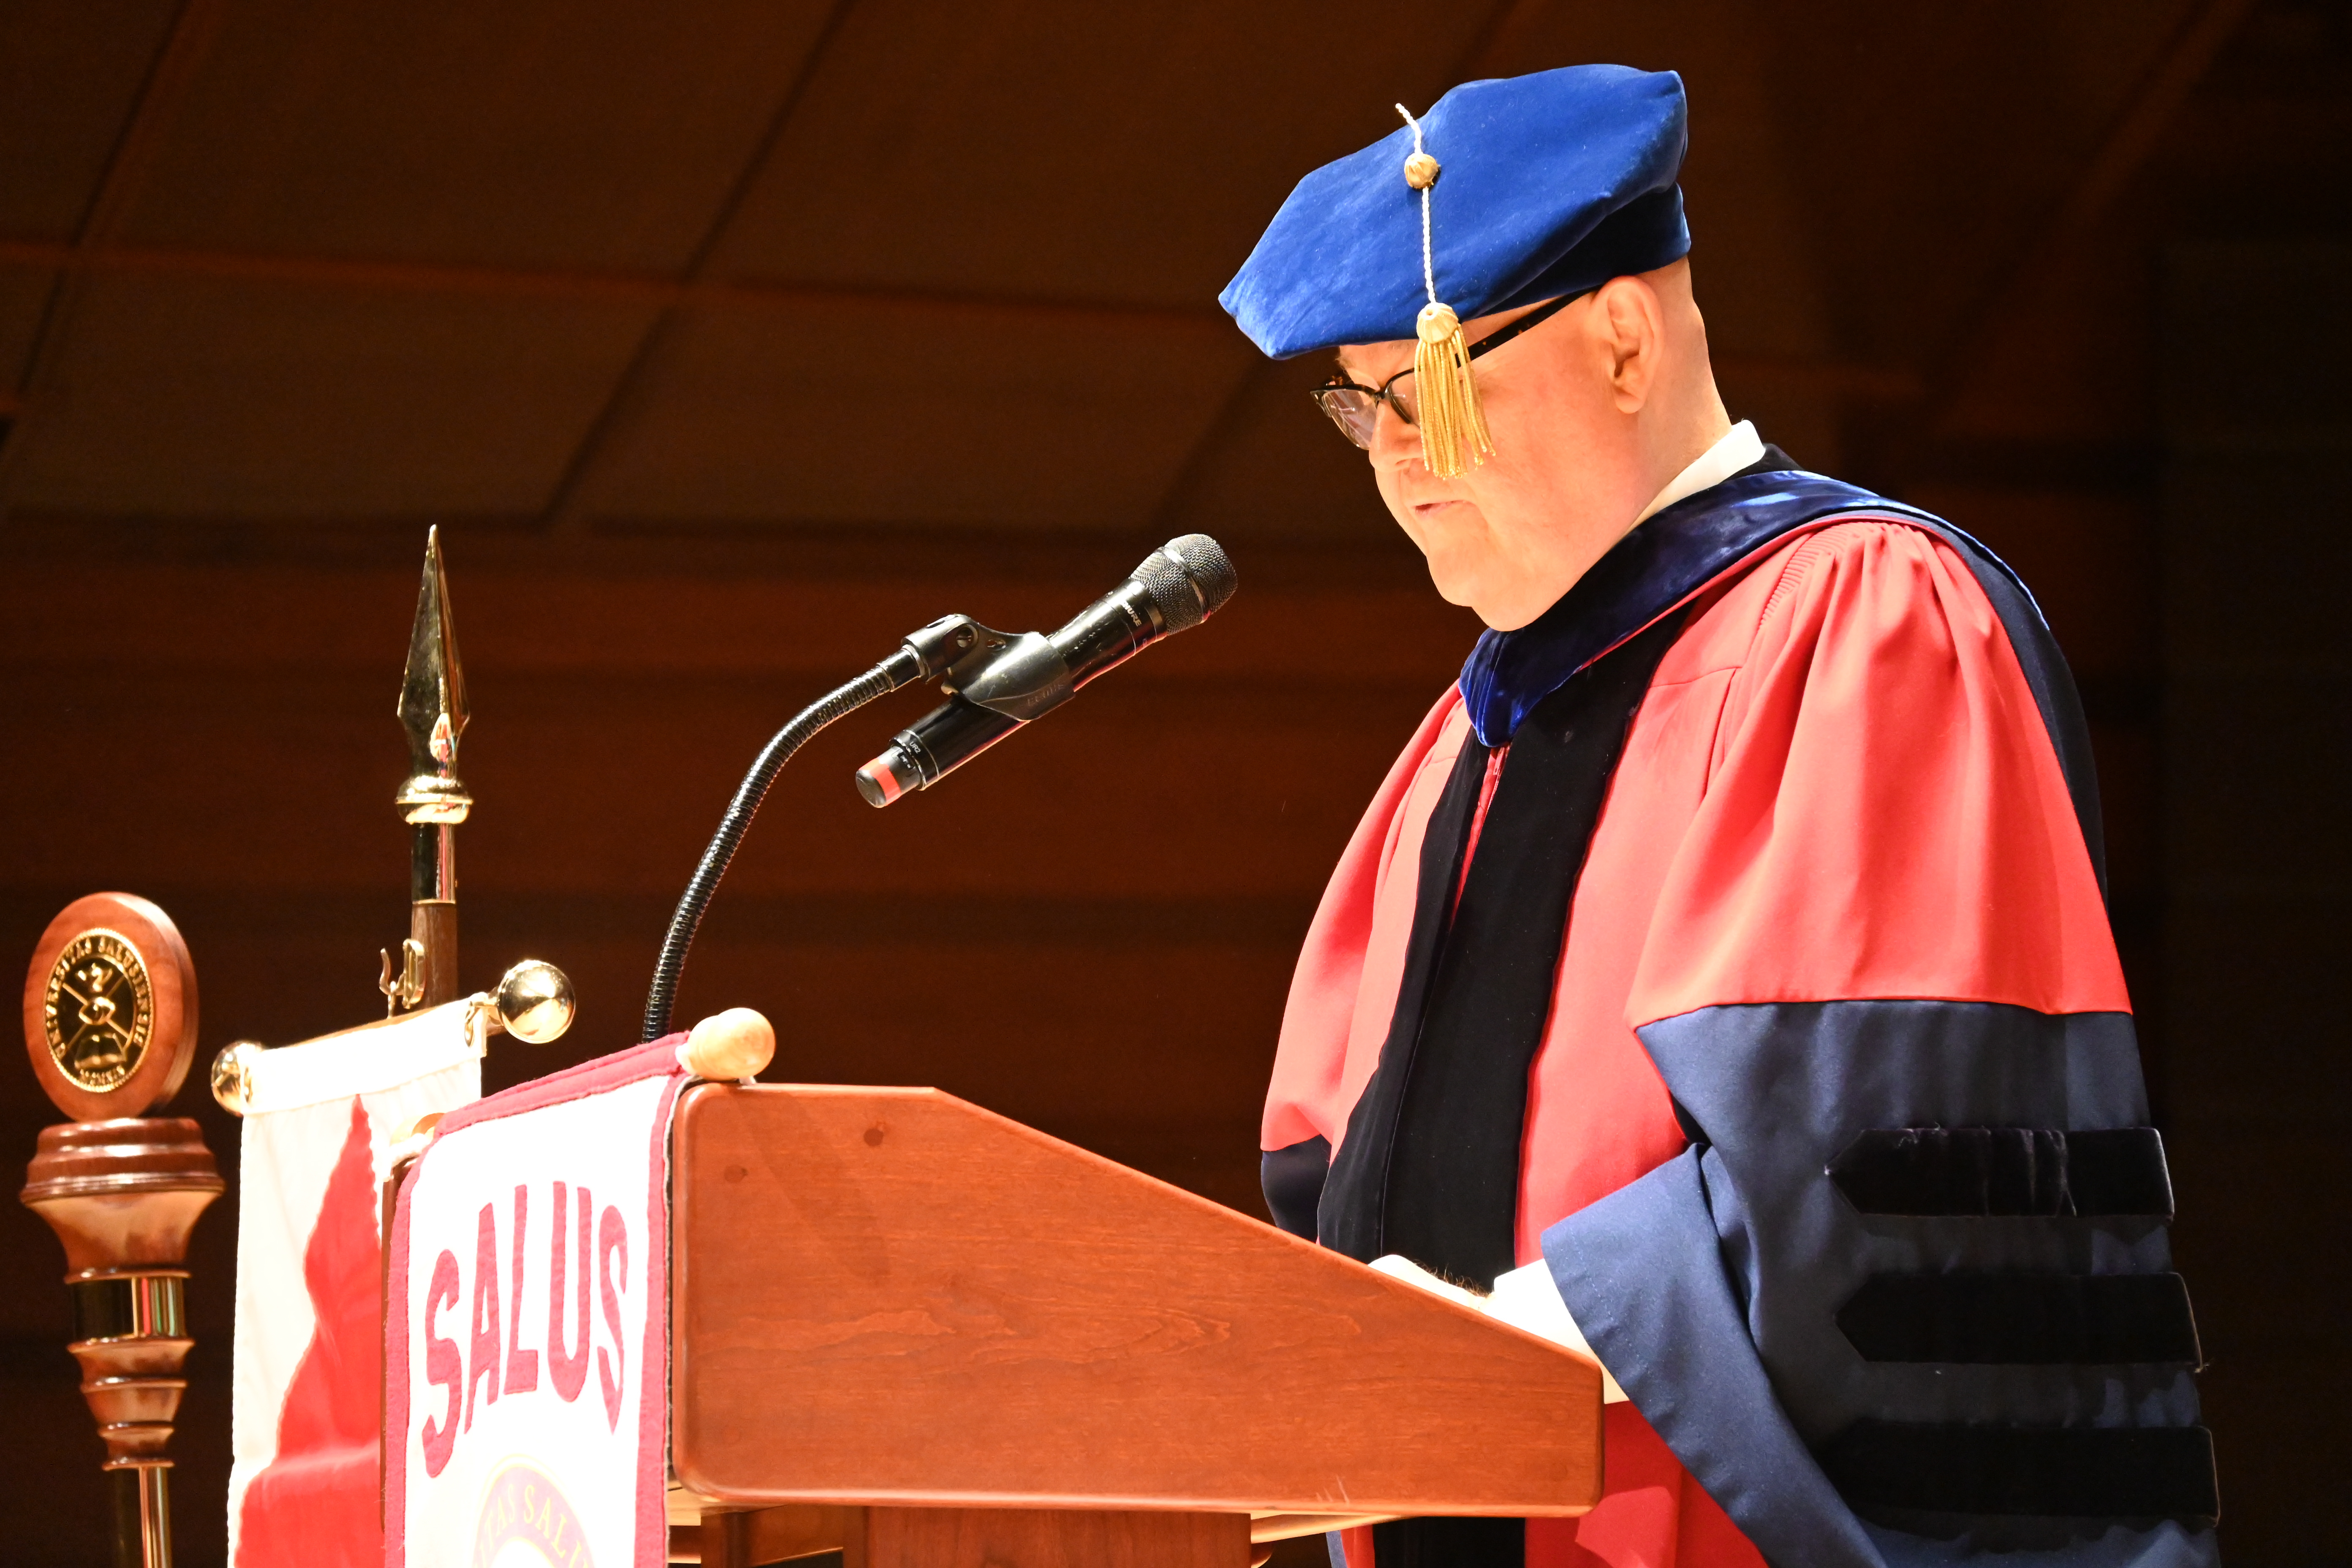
[(1552, 184)]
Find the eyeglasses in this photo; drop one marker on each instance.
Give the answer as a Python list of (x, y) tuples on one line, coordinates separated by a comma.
[(1356, 409)]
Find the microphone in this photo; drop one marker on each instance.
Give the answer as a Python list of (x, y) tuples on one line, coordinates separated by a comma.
[(1021, 679)]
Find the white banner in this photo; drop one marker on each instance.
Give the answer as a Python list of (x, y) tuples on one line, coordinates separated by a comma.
[(527, 1372), (307, 1408)]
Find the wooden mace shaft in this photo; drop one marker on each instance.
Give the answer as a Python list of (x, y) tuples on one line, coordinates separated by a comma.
[(122, 1196)]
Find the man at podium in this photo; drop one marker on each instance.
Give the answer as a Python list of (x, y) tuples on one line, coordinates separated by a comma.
[(1723, 973)]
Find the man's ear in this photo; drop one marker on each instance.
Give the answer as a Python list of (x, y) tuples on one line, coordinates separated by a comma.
[(1631, 326)]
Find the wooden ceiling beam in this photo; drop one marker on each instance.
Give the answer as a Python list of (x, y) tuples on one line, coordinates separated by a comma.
[(798, 549), (586, 285), (636, 288)]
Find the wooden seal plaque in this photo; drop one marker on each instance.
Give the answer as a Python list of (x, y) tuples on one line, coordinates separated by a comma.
[(111, 1008)]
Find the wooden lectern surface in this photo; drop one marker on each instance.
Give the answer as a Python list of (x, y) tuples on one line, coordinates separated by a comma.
[(891, 1296)]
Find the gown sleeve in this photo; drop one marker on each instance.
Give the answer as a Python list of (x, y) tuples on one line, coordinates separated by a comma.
[(1908, 1295)]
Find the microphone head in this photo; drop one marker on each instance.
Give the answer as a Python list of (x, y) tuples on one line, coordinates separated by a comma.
[(1189, 579), (889, 776)]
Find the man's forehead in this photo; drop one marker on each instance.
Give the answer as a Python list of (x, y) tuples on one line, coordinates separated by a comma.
[(1363, 359)]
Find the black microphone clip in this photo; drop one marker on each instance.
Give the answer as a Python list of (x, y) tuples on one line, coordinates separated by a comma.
[(949, 645)]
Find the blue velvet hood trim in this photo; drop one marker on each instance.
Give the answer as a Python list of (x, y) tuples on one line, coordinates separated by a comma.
[(1646, 573)]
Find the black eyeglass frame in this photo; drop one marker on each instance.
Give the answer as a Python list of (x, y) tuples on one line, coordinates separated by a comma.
[(1383, 393)]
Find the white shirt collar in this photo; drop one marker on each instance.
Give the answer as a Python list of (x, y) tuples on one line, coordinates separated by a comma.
[(1739, 447)]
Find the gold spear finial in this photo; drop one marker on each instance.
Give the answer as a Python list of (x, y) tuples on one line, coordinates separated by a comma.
[(432, 802), (433, 687)]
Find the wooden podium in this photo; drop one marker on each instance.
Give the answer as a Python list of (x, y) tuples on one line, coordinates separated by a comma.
[(919, 1333)]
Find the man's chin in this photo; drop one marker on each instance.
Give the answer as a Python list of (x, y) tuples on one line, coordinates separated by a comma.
[(1503, 609), (1453, 585), (1463, 563)]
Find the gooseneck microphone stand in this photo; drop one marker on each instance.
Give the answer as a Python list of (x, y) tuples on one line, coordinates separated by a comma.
[(931, 651)]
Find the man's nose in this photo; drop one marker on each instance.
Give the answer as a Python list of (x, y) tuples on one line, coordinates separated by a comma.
[(1393, 440)]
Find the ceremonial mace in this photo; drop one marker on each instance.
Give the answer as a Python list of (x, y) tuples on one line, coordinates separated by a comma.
[(110, 1024)]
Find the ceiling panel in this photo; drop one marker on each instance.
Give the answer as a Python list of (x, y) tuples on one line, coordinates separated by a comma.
[(2264, 146), (23, 295), (550, 133), (69, 71), (1935, 142), (840, 413), (1853, 182), (195, 397), (1102, 152)]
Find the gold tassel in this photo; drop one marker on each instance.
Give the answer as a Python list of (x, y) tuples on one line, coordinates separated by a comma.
[(1453, 426)]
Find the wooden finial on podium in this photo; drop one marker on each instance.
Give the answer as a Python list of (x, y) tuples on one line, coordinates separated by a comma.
[(110, 1025), (737, 1044)]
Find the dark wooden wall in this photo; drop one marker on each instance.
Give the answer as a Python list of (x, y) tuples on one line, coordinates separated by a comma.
[(2257, 858), (727, 347)]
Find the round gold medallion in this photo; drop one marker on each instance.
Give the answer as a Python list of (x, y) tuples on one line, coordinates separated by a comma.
[(97, 1013), (111, 1008)]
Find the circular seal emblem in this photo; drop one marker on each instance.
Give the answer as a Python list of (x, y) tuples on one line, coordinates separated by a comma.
[(97, 1012), (525, 1522), (111, 1008)]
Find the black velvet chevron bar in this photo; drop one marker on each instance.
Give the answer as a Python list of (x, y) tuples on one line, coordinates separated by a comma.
[(1293, 1181), (2076, 1472), (2040, 1319), (1999, 1171)]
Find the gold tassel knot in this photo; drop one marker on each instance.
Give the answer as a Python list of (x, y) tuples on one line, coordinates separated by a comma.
[(1445, 402)]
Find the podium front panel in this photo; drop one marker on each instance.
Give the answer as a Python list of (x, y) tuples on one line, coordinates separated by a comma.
[(893, 1296)]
